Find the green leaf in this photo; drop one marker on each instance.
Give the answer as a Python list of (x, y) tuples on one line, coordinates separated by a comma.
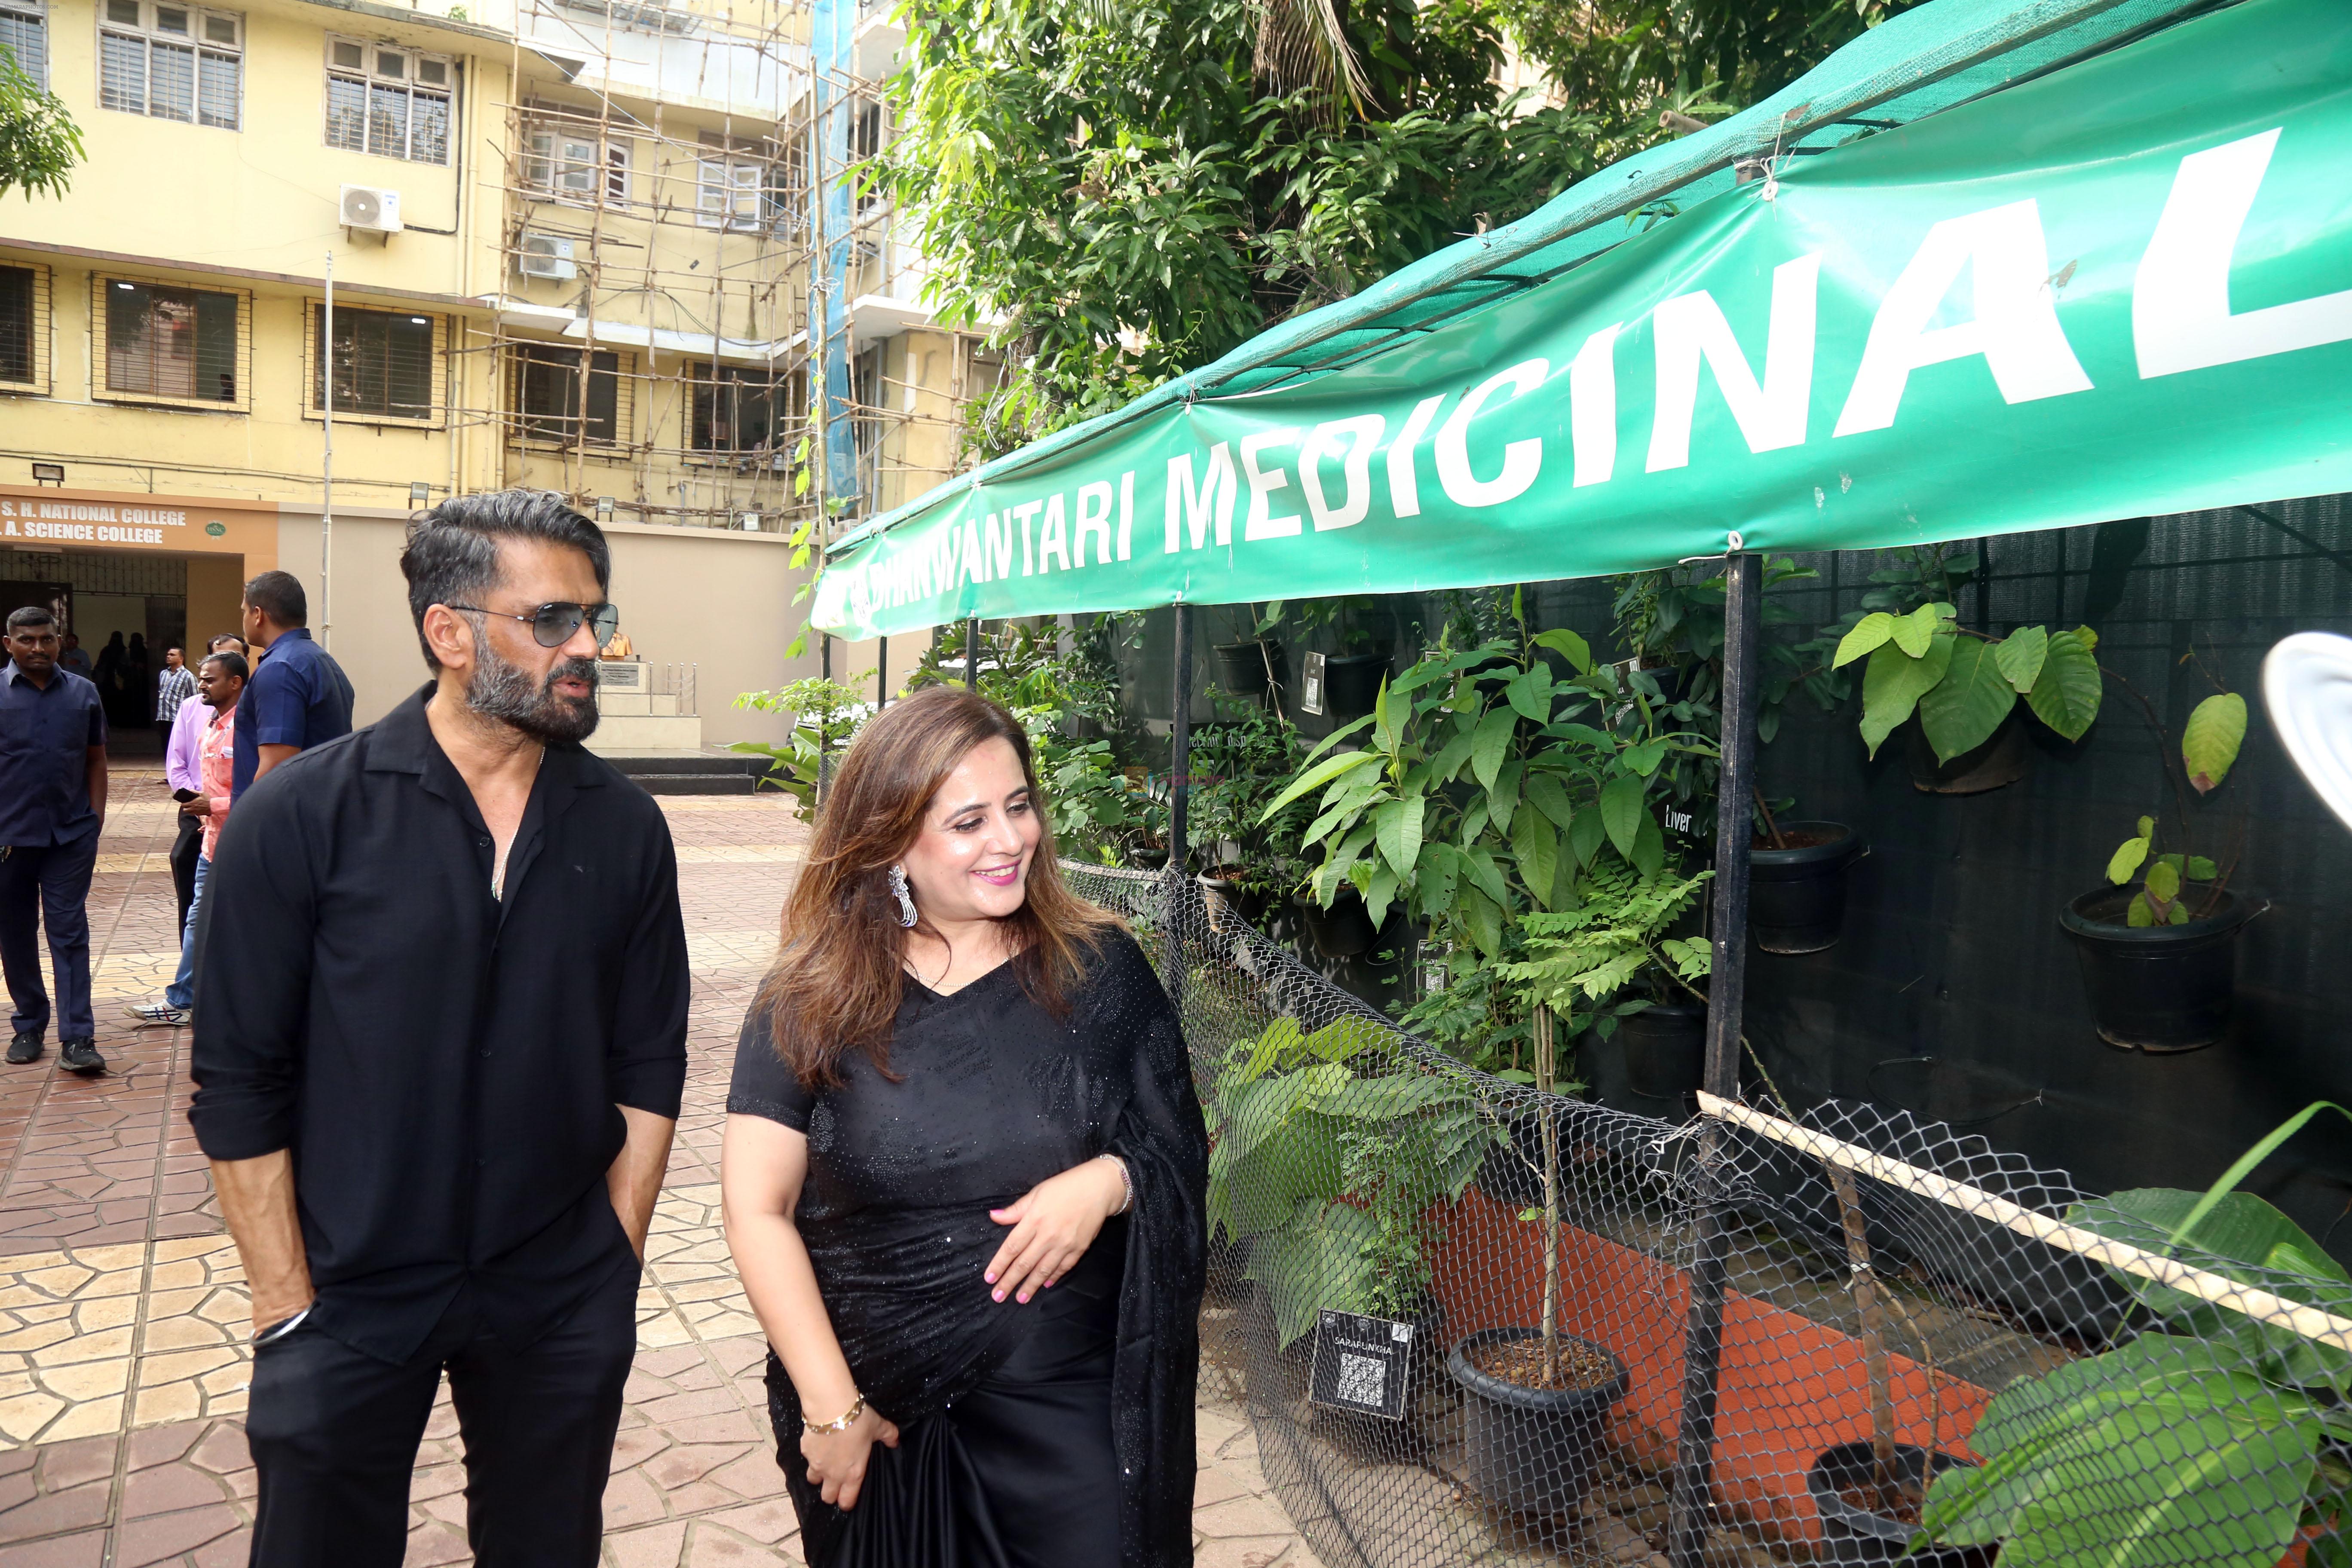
[(1649, 854), (1536, 845), (1548, 794), (1622, 811), (2201, 870), (1397, 826), (2148, 827), (1642, 758), (1380, 893), (1487, 875), (1503, 799), (1913, 632), (2163, 881), (1484, 921), (1963, 709), (2021, 654), (1315, 778), (1488, 745), (2178, 916), (2066, 693), (1584, 836), (1869, 633), (2210, 745), (1568, 646), (1434, 878), (2139, 916), (1530, 694), (1892, 685), (1385, 734)]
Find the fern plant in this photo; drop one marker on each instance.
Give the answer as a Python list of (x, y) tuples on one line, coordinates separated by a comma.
[(1581, 960)]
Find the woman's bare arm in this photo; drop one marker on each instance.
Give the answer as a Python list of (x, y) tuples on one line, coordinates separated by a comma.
[(760, 1169)]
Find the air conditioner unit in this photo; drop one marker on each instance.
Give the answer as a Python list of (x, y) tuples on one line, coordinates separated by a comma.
[(368, 207), (547, 256)]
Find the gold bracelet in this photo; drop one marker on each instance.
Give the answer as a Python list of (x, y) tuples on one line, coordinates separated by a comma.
[(843, 1424)]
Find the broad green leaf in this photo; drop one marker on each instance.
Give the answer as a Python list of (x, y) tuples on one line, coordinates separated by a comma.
[(1486, 874), (1397, 826), (2140, 915), (2201, 870), (1328, 1261), (1584, 836), (1474, 820), (2126, 862), (1642, 758), (1490, 743), (2148, 827), (2021, 654), (2066, 693), (1622, 811), (1434, 876), (1385, 732), (1484, 921), (1534, 844), (1316, 777), (1963, 709), (1450, 758), (1911, 633), (1648, 847), (1568, 646), (1503, 799), (1530, 693), (1548, 794), (1892, 684), (1869, 633), (2210, 744), (2178, 915), (1380, 893), (2163, 880)]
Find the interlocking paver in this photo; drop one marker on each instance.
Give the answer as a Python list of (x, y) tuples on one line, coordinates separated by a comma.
[(123, 1364)]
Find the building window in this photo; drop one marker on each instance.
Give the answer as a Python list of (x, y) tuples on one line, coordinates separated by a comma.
[(25, 33), (171, 343), (567, 166), (175, 62), (865, 147), (389, 102), (738, 410), (383, 362), (547, 394), (23, 302)]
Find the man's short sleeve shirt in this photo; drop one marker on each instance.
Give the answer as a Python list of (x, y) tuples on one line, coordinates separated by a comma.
[(297, 697), (45, 733)]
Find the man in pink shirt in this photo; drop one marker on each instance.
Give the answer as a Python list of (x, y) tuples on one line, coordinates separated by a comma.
[(179, 777), (220, 682)]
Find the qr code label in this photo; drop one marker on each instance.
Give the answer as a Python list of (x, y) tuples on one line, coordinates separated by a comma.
[(1363, 1380)]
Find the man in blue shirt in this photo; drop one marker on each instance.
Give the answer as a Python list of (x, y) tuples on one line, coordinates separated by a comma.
[(299, 695), (52, 808)]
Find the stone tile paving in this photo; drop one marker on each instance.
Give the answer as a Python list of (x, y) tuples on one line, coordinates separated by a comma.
[(122, 1309)]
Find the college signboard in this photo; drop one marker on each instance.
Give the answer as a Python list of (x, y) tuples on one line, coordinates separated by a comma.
[(2123, 289)]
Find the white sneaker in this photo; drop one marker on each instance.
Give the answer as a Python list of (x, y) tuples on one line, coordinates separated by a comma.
[(158, 1014)]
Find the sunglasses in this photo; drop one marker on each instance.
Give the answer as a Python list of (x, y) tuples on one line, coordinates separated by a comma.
[(552, 626)]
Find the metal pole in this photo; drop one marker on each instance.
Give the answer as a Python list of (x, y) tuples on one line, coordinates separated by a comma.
[(824, 749), (881, 673), (1180, 741), (327, 464), (1687, 1512), (972, 654)]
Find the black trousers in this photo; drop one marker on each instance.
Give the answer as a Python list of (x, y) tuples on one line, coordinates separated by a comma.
[(334, 1434), (187, 850), (46, 887)]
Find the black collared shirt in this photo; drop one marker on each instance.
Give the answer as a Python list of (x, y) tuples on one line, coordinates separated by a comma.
[(45, 735), (446, 1065)]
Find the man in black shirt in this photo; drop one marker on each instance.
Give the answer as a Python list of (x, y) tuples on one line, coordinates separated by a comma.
[(439, 1062)]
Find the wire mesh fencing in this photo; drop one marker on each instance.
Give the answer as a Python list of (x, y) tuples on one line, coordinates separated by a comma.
[(1474, 1323)]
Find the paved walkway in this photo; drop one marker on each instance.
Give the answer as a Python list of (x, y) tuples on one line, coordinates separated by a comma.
[(123, 1310)]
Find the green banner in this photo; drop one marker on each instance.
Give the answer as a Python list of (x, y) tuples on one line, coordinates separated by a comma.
[(2123, 288)]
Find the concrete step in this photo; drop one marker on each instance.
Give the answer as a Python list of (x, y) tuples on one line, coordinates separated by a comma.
[(683, 771), (695, 784)]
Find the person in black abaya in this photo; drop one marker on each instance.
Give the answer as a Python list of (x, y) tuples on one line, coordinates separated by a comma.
[(964, 1178)]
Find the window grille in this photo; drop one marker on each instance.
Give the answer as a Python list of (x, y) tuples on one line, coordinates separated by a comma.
[(25, 33), (387, 101), (742, 410), (20, 320), (383, 363), (171, 62), (546, 395), (171, 343)]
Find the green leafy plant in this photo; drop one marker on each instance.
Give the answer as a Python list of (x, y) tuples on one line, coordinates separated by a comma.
[(2208, 749), (2216, 1438), (1329, 1172), (39, 142), (1581, 960), (1963, 684), (1237, 767), (827, 716)]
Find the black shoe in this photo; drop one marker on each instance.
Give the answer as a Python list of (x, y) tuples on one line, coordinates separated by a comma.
[(24, 1048), (81, 1056)]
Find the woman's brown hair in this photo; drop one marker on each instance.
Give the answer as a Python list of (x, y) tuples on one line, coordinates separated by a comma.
[(839, 976)]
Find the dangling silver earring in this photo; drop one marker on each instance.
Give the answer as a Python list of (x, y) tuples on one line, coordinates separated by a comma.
[(906, 900)]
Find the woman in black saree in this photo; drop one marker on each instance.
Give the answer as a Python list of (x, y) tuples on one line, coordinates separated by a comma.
[(963, 1180)]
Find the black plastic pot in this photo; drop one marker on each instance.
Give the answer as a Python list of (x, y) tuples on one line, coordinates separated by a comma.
[(1796, 897), (1665, 1049), (1534, 1450), (2159, 988), (1228, 899), (1343, 931), (1852, 1537), (1351, 684), (2002, 760), (1241, 666)]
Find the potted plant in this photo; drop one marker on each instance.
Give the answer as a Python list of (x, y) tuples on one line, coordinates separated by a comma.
[(1237, 765), (1362, 627), (2090, 1465), (1248, 667), (1796, 887), (827, 716), (1535, 1402), (2158, 944), (1581, 961)]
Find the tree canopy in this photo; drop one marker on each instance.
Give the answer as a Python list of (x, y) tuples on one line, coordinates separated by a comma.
[(39, 143)]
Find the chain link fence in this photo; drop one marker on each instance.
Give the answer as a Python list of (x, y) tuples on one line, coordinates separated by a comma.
[(1473, 1322)]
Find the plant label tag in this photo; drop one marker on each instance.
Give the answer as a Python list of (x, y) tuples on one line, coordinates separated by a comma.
[(1310, 678), (1362, 1364)]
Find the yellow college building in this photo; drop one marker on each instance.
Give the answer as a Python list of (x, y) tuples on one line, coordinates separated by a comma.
[(572, 245)]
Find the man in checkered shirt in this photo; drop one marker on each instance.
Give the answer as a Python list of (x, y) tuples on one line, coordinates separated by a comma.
[(176, 685)]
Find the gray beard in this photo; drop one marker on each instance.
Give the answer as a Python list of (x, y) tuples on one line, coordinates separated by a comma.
[(504, 692)]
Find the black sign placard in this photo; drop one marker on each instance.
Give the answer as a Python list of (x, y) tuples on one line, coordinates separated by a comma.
[(1362, 1364)]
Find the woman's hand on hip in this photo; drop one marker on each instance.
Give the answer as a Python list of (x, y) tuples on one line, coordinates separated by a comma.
[(1053, 1225), (837, 1460)]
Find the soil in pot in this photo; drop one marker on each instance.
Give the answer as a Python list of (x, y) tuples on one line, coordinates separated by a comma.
[(2002, 760), (1796, 889), (1861, 1526), (1240, 666), (1665, 1049), (1351, 684), (1534, 1449), (1343, 931), (2159, 988)]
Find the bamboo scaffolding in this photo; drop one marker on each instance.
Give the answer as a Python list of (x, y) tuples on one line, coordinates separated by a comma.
[(2310, 1322)]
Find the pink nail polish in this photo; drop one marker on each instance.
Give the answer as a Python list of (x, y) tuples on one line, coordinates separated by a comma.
[(1000, 1296), (991, 1279)]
